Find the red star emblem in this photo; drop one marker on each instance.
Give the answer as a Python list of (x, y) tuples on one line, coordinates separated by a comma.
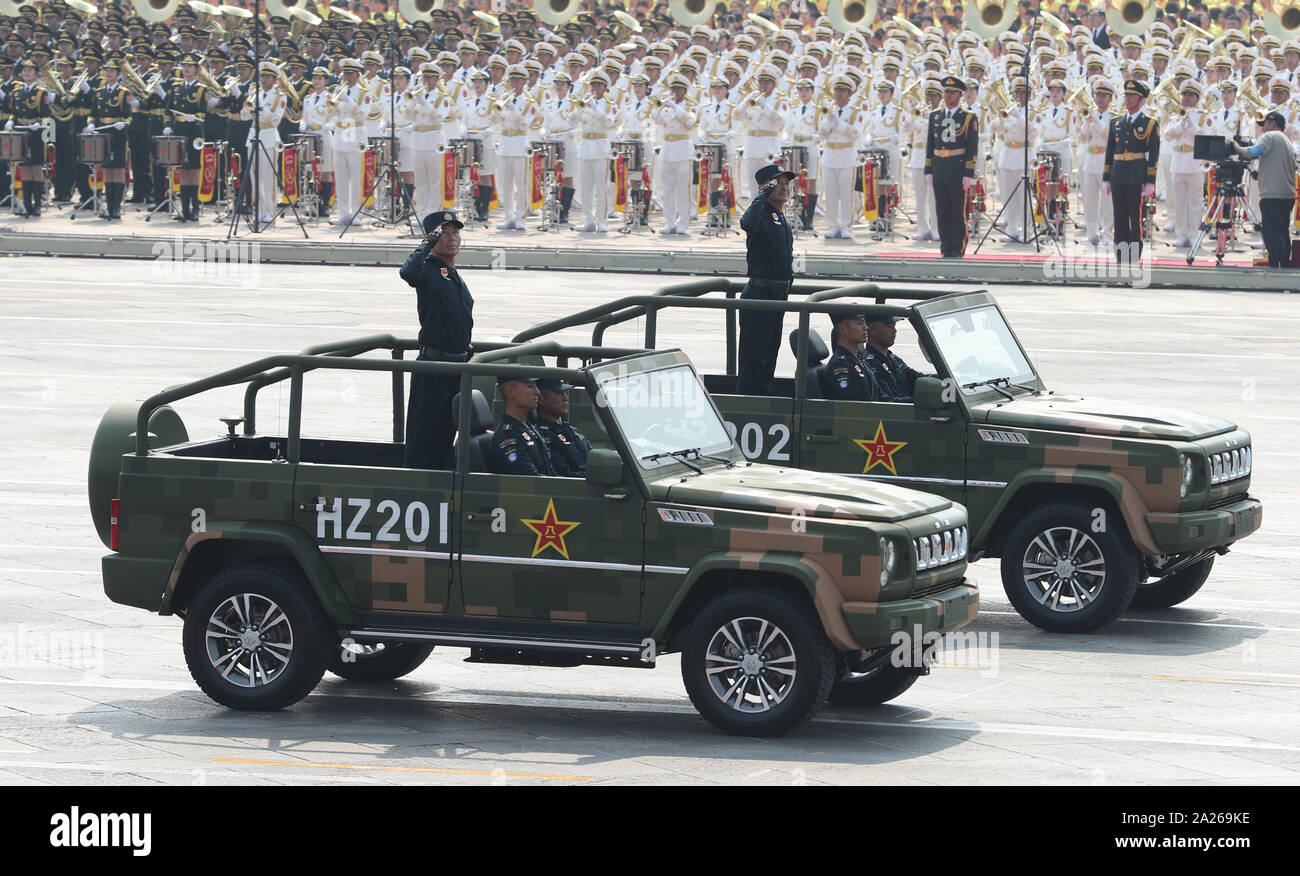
[(880, 450), (551, 532)]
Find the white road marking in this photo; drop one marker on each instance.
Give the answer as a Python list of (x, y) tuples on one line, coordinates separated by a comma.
[(1141, 620), (208, 772), (830, 716)]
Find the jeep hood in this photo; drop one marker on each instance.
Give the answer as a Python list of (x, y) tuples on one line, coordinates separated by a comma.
[(1097, 416), (771, 489)]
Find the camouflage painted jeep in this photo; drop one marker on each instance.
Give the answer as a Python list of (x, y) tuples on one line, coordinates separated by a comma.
[(1092, 505), (288, 554)]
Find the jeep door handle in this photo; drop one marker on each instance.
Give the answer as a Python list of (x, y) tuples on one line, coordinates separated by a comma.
[(821, 439)]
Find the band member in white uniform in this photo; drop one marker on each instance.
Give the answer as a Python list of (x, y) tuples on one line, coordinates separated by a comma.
[(1013, 164), (426, 109), (475, 112), (761, 114), (676, 120), (917, 126), (514, 116), (597, 119), (883, 126), (1186, 174), (270, 110), (1057, 132), (349, 104), (559, 123), (840, 130), (315, 120), (801, 130), (1094, 128)]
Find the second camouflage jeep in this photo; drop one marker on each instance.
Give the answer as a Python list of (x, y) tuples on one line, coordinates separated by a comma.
[(288, 554), (1092, 505)]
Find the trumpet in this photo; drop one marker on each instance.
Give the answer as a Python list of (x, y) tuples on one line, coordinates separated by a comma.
[(333, 91)]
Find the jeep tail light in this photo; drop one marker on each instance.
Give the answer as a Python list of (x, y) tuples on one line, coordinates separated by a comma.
[(112, 525)]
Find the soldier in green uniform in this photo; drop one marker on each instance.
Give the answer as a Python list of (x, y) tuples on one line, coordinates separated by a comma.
[(951, 150), (896, 379), (1129, 174), (516, 446), (568, 446), (850, 379)]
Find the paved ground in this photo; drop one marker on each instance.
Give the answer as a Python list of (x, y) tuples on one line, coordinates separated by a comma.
[(95, 693)]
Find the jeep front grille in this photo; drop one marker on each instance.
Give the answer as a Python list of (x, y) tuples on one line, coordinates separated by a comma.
[(940, 548)]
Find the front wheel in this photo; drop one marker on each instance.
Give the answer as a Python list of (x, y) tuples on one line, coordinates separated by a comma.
[(254, 638), (1070, 568), (1173, 589), (381, 661), (756, 662)]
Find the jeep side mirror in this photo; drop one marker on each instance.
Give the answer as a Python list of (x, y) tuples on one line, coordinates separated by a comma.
[(928, 396), (604, 467)]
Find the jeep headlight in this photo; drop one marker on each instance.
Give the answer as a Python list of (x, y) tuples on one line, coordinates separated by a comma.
[(888, 554), (1185, 462)]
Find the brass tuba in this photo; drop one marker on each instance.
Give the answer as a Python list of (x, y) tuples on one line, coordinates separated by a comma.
[(988, 18), (689, 13), (11, 8), (1190, 33), (1127, 17), (555, 12), (1282, 18), (417, 10), (155, 10), (845, 15), (284, 8), (302, 19), (235, 19)]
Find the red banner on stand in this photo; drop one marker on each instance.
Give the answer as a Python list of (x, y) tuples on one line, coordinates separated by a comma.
[(449, 172), (620, 184), (207, 174), (369, 169), (289, 174), (702, 201), (535, 174), (1040, 186), (870, 203)]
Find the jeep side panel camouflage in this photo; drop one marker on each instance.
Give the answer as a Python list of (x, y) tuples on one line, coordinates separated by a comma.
[(1090, 503), (286, 555)]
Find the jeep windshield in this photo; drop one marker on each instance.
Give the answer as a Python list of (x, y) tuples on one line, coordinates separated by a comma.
[(663, 411), (980, 350)]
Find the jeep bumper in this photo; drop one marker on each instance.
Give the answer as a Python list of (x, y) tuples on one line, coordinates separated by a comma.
[(136, 581), (1200, 530), (872, 623)]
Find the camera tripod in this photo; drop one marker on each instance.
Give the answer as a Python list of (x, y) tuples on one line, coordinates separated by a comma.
[(1221, 216)]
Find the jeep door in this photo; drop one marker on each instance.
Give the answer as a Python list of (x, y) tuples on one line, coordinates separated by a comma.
[(549, 548)]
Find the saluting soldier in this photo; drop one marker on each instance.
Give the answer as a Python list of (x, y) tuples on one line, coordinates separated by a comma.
[(951, 148), (1132, 150)]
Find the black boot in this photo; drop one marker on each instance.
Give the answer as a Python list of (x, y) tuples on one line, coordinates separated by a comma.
[(27, 198), (812, 206), (326, 192), (566, 201), (190, 202), (115, 191), (487, 200)]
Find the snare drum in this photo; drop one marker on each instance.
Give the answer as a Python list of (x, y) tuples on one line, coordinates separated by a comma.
[(13, 146), (1050, 159), (308, 146), (716, 153), (794, 158), (879, 158), (633, 152), (93, 148), (169, 151), (552, 151)]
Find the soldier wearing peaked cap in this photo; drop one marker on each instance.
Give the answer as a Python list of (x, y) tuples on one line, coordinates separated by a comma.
[(567, 445), (951, 150), (517, 447), (446, 312), (1132, 150)]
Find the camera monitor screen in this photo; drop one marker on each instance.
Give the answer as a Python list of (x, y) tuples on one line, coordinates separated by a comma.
[(1209, 147)]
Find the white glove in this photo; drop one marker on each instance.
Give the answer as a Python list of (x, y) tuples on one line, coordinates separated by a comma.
[(34, 126), (90, 128), (119, 125), (158, 90), (135, 104), (84, 87), (9, 124), (166, 132), (190, 117)]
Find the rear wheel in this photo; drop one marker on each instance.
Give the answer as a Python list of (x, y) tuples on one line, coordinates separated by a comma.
[(1070, 568), (254, 638), (1173, 589), (381, 661), (756, 662)]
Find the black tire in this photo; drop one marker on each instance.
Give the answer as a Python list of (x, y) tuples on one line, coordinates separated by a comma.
[(384, 661), (1084, 601), (294, 650), (881, 686), (798, 641), (1173, 589)]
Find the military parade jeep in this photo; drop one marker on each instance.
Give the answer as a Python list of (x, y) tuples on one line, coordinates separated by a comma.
[(287, 554), (1092, 505)]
